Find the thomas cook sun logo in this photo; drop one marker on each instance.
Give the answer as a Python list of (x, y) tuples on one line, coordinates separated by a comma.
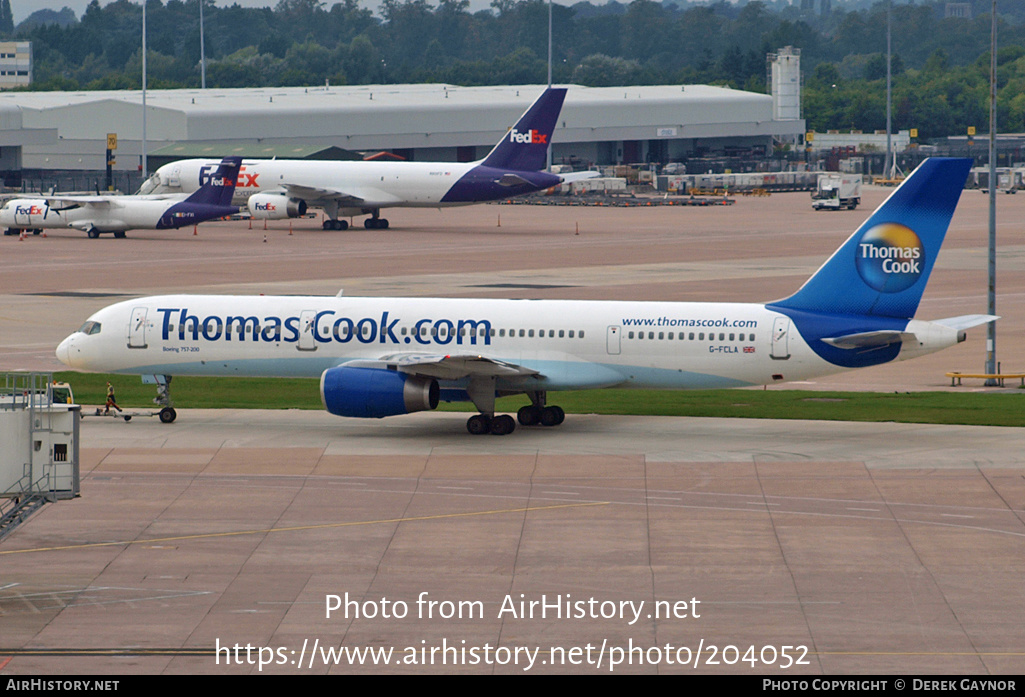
[(889, 257)]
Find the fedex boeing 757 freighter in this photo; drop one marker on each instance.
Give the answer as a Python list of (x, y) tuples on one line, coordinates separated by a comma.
[(381, 357), (279, 189)]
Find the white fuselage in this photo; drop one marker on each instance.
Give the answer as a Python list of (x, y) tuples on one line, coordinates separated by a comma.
[(571, 344), (378, 184), (121, 213)]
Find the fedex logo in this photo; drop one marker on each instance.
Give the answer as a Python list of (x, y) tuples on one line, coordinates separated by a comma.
[(265, 206), (245, 179), (531, 137), (28, 210)]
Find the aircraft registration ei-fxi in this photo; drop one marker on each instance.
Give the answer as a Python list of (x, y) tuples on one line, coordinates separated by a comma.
[(99, 213), (381, 357), (278, 189)]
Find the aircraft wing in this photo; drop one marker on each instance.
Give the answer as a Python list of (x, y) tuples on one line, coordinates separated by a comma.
[(577, 176), (353, 198), (59, 203), (445, 367), (315, 193)]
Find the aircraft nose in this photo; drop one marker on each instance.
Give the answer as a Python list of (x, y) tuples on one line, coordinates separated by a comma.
[(64, 352)]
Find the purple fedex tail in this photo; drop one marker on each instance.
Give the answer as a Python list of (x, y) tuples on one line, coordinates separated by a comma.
[(210, 201), (524, 148), (513, 167), (221, 186)]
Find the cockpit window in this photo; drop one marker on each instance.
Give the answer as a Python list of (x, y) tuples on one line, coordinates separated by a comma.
[(150, 185), (90, 328)]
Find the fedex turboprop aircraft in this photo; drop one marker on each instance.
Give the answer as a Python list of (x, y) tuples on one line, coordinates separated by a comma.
[(279, 189), (381, 357), (100, 213)]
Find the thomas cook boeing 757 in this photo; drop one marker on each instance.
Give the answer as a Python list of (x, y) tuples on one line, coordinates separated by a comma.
[(99, 213), (278, 189), (381, 357)]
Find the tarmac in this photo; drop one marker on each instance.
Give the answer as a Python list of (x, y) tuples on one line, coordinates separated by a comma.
[(293, 542)]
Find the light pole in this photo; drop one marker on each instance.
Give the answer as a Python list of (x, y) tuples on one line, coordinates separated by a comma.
[(889, 167), (202, 49), (991, 305), (145, 165), (548, 153)]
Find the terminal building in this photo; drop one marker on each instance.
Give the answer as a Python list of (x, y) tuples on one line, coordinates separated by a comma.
[(67, 131)]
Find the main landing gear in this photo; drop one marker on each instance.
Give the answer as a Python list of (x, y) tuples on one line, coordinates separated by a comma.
[(375, 221), (93, 234), (499, 425), (534, 414), (330, 224)]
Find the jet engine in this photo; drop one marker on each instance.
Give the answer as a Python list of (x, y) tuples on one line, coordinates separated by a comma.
[(275, 207), (376, 393)]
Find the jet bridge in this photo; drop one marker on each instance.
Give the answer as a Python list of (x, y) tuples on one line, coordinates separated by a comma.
[(39, 437)]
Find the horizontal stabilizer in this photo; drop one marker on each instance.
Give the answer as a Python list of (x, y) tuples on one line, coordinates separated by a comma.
[(510, 179), (863, 340), (966, 321), (578, 176)]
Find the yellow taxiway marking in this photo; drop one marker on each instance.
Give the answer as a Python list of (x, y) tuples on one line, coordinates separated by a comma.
[(529, 509)]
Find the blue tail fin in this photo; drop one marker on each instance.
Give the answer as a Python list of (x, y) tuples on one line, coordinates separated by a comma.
[(882, 269), (219, 189), (525, 146)]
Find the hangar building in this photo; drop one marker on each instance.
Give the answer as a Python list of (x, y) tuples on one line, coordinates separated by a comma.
[(598, 125)]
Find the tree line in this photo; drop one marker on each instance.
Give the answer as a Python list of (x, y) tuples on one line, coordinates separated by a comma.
[(940, 64)]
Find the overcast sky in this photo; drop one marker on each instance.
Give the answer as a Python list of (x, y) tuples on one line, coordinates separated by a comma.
[(23, 8)]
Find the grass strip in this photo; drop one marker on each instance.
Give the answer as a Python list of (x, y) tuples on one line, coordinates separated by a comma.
[(953, 407)]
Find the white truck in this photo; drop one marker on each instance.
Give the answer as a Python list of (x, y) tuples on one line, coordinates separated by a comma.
[(836, 191)]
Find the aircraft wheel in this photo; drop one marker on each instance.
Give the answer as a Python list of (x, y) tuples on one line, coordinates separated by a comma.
[(37, 231), (168, 415), (529, 415), (382, 223), (502, 425), (552, 416), (120, 234), (93, 233), (341, 225), (328, 224), (478, 425)]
